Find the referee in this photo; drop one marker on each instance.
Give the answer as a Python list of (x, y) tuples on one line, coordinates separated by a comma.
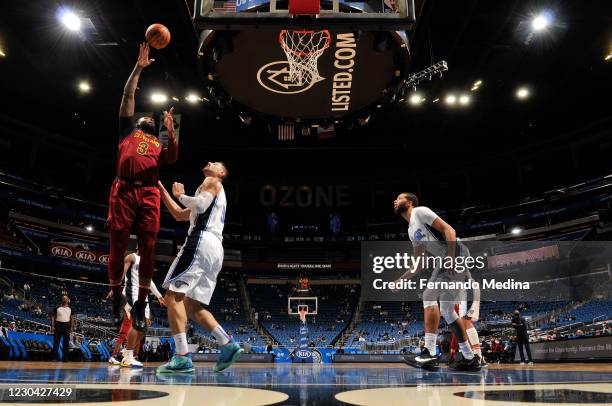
[(522, 338), (62, 323)]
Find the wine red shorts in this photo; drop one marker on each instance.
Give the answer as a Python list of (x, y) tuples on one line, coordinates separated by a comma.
[(130, 205)]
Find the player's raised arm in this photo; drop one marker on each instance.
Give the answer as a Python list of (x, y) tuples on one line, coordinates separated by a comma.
[(176, 211), (202, 200), (127, 101), (170, 152)]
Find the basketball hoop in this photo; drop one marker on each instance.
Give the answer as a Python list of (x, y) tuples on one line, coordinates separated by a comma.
[(303, 48)]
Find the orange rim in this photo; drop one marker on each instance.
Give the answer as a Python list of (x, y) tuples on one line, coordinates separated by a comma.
[(301, 33)]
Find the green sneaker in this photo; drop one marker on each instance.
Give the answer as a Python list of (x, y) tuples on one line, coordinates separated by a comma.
[(230, 353), (177, 364)]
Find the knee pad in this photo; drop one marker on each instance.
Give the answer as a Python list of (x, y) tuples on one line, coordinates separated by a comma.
[(447, 310)]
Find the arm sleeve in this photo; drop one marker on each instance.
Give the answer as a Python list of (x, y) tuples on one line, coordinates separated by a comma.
[(170, 153), (154, 290), (426, 215), (126, 126), (197, 203)]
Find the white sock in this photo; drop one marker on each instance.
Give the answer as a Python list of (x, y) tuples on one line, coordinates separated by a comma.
[(180, 343), (220, 335), (430, 342), (472, 335), (466, 350), (128, 355)]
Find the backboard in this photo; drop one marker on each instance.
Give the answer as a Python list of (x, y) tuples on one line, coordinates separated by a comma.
[(262, 14), (295, 303), (336, 67)]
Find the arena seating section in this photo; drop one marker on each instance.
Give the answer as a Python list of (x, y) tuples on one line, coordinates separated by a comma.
[(336, 304), (387, 321), (592, 311)]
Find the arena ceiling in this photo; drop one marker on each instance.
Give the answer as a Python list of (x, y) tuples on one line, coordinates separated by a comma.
[(492, 42)]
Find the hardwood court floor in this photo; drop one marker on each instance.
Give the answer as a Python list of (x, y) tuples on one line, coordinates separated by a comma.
[(359, 384)]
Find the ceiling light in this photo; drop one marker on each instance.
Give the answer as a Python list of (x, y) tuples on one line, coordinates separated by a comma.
[(70, 20), (464, 99), (516, 231), (416, 99), (159, 98), (451, 99), (522, 93), (84, 86), (89, 228), (192, 98), (541, 21)]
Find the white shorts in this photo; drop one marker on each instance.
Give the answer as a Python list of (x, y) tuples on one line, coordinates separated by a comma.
[(195, 269)]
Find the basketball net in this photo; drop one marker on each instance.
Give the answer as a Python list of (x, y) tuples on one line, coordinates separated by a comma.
[(303, 48), (302, 315)]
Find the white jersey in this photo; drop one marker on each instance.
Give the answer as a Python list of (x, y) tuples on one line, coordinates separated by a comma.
[(195, 269), (420, 229), (132, 280), (212, 219), (130, 290)]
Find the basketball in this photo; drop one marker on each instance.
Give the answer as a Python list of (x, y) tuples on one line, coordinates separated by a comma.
[(158, 36)]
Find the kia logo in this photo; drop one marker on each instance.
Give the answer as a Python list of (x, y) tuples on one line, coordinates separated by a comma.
[(303, 354), (61, 251), (85, 256), (103, 259)]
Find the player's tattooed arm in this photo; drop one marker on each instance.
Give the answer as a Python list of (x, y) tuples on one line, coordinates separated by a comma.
[(127, 101), (176, 211)]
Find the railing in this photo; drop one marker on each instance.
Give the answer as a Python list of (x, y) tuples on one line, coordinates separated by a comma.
[(102, 332), (43, 325)]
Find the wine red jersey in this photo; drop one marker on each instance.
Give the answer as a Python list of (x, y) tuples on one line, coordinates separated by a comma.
[(140, 155)]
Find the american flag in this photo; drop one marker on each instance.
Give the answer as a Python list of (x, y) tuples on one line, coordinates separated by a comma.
[(286, 132), (225, 6)]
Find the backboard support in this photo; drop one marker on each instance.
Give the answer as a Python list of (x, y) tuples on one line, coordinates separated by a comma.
[(373, 15)]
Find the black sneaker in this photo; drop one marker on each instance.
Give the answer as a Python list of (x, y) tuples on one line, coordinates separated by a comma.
[(425, 361), (462, 364), (118, 310), (139, 323)]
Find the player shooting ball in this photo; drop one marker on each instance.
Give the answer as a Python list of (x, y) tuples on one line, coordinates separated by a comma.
[(134, 196)]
